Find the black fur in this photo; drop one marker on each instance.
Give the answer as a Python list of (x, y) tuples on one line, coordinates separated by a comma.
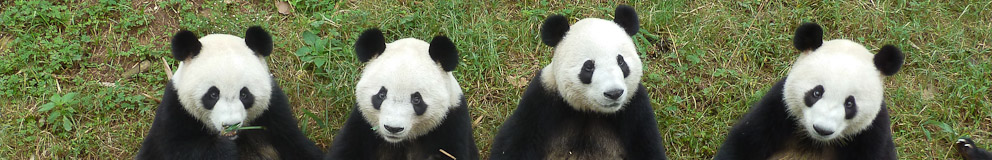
[(973, 152), (370, 44), (258, 40), (526, 133), (554, 29), (357, 141), (175, 134), (185, 45), (443, 51), (888, 60), (766, 128), (626, 17), (809, 36)]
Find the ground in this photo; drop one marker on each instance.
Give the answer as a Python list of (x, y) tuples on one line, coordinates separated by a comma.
[(82, 78)]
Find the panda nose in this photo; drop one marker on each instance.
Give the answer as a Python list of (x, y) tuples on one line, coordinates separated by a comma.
[(393, 129), (822, 132), (613, 94)]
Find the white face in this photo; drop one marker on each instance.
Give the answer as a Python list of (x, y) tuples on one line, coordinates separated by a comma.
[(834, 91), (217, 85), (588, 67), (403, 93)]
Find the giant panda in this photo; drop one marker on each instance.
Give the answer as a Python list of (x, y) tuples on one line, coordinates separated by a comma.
[(967, 149), (588, 103), (223, 81), (829, 106), (409, 105)]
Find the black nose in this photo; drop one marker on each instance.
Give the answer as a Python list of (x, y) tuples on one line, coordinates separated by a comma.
[(614, 94), (393, 129), (822, 132)]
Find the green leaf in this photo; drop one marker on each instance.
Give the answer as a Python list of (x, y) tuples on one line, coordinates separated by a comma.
[(56, 98), (66, 123), (309, 37), (302, 51), (52, 117), (68, 97), (46, 107)]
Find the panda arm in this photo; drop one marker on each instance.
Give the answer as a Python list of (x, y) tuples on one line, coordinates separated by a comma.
[(283, 131), (761, 131), (176, 134), (523, 135), (874, 143), (640, 128), (354, 140)]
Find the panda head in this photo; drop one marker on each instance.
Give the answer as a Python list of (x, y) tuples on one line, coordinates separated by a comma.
[(595, 65), (406, 88), (834, 89), (223, 80)]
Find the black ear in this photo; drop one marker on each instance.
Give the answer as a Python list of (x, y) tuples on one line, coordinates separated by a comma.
[(809, 36), (888, 60), (443, 51), (185, 45), (370, 44), (554, 30), (626, 17), (258, 40)]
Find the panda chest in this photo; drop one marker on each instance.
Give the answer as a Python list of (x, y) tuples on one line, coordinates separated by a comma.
[(585, 140), (408, 150), (798, 149), (256, 146)]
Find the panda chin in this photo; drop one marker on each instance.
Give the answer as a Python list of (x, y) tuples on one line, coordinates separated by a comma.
[(392, 138), (229, 135)]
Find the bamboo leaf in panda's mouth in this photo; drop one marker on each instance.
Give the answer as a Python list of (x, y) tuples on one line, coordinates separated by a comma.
[(231, 130)]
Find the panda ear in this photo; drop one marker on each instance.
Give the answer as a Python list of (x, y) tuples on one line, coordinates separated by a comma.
[(443, 51), (185, 45), (370, 44), (888, 60), (554, 30), (258, 40), (626, 17), (809, 36)]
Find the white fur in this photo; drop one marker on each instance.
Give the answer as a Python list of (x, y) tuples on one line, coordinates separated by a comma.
[(225, 62), (844, 68), (601, 41), (405, 67)]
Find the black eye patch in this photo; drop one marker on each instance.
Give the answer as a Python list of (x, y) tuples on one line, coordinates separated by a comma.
[(813, 95), (210, 98), (247, 98), (586, 74), (850, 107), (378, 98), (419, 105), (623, 66)]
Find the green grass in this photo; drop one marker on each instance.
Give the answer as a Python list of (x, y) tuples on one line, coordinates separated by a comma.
[(705, 63)]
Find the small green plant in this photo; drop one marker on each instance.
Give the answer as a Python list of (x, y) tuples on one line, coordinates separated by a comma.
[(61, 110)]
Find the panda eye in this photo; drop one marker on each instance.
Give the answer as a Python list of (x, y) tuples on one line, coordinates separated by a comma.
[(244, 95), (813, 95), (850, 107), (623, 66), (379, 97), (213, 95), (589, 66), (418, 103), (415, 100)]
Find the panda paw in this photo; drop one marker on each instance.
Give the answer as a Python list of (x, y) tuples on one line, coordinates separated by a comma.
[(967, 149)]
